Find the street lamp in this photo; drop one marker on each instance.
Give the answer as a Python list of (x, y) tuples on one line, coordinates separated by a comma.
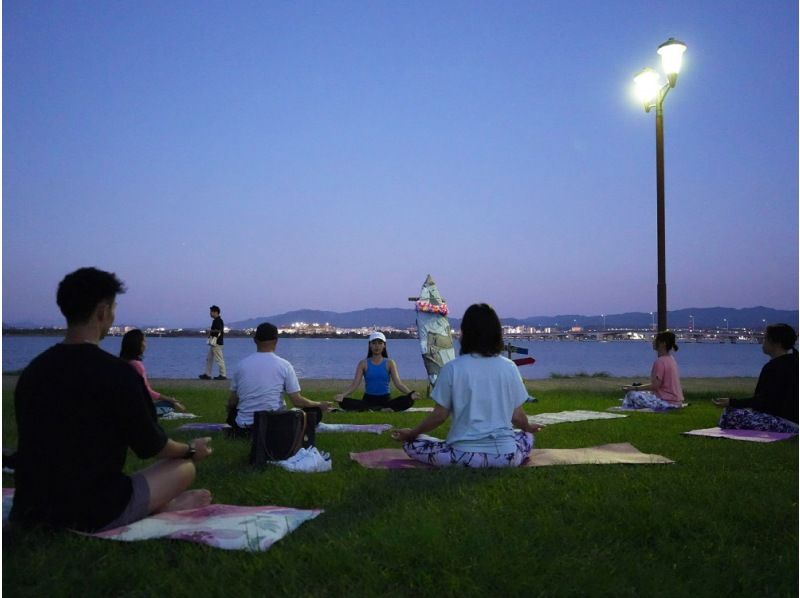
[(651, 93)]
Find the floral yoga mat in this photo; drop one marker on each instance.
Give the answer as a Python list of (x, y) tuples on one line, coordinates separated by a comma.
[(749, 435), (605, 454), (229, 527)]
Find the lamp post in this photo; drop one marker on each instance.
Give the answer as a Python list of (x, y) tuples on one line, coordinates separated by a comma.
[(652, 94)]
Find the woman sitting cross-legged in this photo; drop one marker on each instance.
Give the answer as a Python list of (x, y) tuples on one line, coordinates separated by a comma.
[(664, 390), (131, 350), (774, 404), (484, 393), (376, 370)]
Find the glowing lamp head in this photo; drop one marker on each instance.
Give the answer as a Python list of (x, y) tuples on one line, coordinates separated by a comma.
[(671, 52), (647, 87)]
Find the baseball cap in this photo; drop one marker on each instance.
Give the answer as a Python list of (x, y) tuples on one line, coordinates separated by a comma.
[(266, 332), (377, 336)]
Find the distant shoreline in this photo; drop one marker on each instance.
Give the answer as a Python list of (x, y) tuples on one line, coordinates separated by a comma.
[(191, 333), (743, 385)]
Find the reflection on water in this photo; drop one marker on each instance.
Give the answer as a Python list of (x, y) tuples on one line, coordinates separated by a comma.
[(337, 358)]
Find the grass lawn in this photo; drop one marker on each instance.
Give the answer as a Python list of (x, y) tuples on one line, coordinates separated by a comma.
[(721, 521)]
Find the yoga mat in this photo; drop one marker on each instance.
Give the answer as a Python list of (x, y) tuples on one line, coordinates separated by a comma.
[(322, 427), (229, 527), (178, 415), (748, 435), (547, 419), (370, 428), (387, 459), (605, 454), (202, 427), (628, 409)]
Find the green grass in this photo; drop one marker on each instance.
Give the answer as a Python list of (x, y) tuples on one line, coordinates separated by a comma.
[(722, 521)]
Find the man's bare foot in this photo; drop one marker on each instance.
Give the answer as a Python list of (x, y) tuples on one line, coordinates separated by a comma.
[(191, 499)]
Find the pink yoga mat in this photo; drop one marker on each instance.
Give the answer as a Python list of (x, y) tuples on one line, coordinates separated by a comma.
[(387, 459), (748, 435)]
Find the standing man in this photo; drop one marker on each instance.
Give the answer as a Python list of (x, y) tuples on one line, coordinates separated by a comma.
[(216, 338), (260, 381), (78, 410)]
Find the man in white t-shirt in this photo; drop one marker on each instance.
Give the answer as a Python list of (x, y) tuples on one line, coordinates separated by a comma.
[(261, 379)]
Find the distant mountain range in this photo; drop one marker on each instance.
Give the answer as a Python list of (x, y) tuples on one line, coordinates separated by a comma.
[(703, 317)]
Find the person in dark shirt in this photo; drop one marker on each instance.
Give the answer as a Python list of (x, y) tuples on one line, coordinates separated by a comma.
[(78, 410), (774, 404), (216, 338)]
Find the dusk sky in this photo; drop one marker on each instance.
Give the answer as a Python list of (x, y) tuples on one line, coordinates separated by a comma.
[(271, 156)]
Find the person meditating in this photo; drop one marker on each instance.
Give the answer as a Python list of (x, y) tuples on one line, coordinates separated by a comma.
[(376, 370), (261, 380), (132, 350), (774, 404), (79, 410), (484, 393), (664, 390)]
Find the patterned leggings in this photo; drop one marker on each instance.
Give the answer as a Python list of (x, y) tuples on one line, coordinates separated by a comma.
[(644, 399), (750, 419), (433, 451)]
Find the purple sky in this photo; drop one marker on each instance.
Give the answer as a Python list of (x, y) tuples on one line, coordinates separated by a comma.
[(270, 156)]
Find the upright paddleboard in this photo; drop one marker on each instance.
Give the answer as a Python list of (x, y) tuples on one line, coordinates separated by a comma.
[(435, 338)]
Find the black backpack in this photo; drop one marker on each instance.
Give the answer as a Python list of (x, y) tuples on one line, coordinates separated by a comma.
[(277, 435)]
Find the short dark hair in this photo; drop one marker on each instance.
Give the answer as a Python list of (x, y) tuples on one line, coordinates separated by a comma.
[(131, 347), (266, 332), (83, 290), (668, 338), (215, 308), (481, 331), (782, 334)]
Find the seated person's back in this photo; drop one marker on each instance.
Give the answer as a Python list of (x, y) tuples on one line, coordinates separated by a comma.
[(72, 450), (260, 381)]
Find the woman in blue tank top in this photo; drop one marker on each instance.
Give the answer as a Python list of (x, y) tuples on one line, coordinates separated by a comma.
[(377, 370)]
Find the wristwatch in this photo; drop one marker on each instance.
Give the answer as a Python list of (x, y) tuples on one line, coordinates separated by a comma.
[(190, 452)]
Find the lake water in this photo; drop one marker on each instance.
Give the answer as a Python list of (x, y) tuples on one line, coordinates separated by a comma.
[(337, 358)]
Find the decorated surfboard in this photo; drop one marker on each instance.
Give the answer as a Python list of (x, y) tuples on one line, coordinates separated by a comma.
[(435, 338)]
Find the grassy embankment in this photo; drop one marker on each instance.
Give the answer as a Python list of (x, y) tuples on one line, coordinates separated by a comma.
[(722, 521)]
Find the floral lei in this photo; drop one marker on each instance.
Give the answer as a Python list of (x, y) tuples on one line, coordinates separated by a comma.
[(427, 306)]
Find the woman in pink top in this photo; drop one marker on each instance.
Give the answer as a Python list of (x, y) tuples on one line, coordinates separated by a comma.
[(664, 390), (131, 350)]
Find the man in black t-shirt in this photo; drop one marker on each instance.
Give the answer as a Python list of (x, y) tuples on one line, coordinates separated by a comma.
[(216, 338), (78, 410)]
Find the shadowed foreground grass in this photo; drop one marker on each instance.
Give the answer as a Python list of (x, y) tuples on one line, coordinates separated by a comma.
[(721, 521)]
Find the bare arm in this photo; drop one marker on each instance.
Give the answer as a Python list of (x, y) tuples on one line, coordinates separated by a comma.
[(396, 378), (354, 384), (233, 399), (434, 420), (639, 387), (299, 400), (178, 450), (520, 419)]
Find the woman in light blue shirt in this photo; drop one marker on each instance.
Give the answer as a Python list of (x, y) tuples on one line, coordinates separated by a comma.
[(484, 393)]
